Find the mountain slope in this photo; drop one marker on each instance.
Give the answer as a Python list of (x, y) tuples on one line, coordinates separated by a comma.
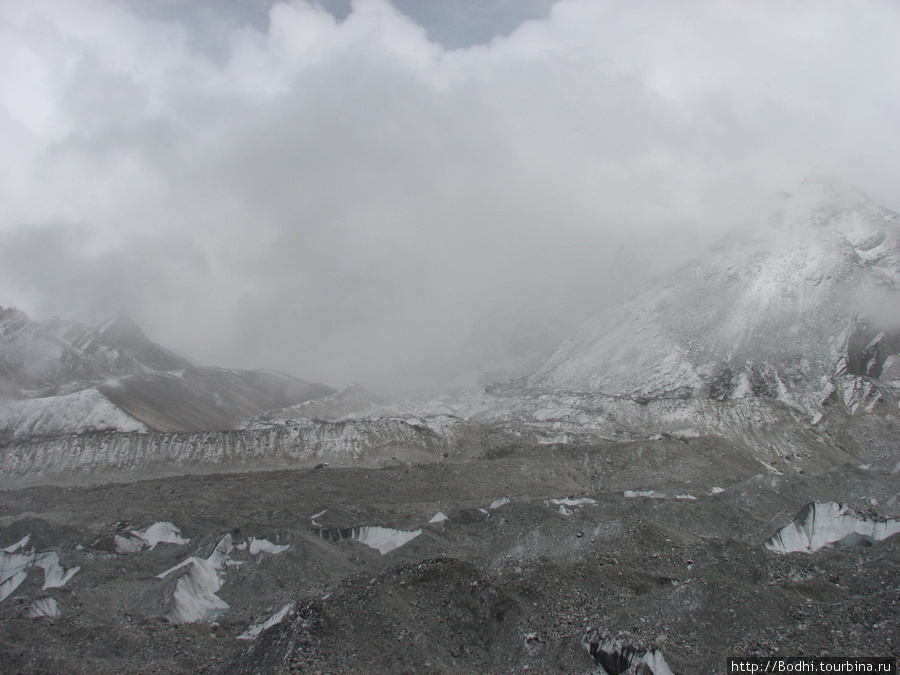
[(59, 357), (795, 312), (61, 377), (206, 399)]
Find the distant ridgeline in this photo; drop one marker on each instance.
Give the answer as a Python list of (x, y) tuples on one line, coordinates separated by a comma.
[(61, 377)]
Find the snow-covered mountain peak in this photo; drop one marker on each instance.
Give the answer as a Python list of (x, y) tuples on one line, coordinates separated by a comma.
[(779, 311), (837, 212)]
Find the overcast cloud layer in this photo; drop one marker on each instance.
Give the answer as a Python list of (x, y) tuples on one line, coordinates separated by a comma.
[(340, 194)]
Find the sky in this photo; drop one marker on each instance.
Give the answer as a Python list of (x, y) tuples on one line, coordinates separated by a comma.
[(348, 191)]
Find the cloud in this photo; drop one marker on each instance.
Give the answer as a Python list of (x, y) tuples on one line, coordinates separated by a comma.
[(341, 196)]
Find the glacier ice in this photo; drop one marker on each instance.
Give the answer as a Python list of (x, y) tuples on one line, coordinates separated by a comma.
[(618, 658), (55, 575), (162, 532), (22, 543), (43, 608), (382, 539), (128, 544), (254, 631), (572, 501), (565, 504), (14, 568), (385, 539), (650, 494), (822, 524), (265, 546), (195, 596)]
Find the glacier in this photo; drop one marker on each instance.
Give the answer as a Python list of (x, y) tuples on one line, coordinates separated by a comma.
[(825, 524)]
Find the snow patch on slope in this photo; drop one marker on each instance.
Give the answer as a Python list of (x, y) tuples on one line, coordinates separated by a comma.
[(82, 412)]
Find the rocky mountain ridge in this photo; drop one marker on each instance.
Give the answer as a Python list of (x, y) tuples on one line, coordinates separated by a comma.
[(57, 357), (60, 378), (799, 310)]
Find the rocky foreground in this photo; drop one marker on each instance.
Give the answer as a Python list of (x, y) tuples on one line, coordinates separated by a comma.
[(549, 559)]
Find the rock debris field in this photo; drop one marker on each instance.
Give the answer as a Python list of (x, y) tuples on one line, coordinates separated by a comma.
[(514, 563)]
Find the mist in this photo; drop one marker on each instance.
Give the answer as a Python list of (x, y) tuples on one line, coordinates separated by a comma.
[(347, 192)]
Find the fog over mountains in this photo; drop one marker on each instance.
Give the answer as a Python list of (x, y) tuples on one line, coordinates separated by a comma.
[(328, 189), (802, 313), (770, 340)]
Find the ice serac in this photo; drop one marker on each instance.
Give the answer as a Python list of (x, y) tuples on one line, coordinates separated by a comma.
[(618, 658), (382, 539), (825, 524), (791, 311), (55, 575), (22, 543), (195, 596), (14, 568), (255, 546), (162, 532), (43, 608)]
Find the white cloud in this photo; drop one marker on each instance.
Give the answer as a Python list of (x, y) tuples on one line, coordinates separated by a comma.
[(339, 198)]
